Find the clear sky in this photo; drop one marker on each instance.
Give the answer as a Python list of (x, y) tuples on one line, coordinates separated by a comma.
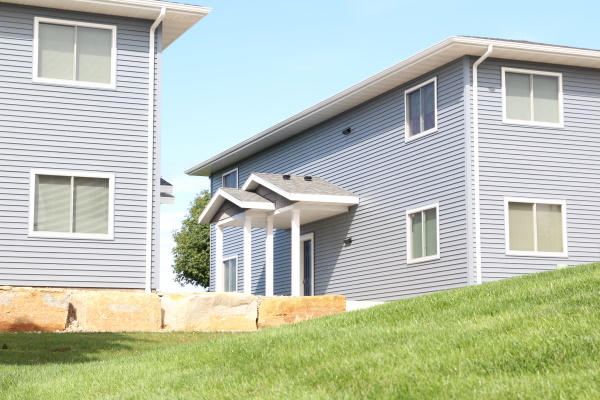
[(250, 64)]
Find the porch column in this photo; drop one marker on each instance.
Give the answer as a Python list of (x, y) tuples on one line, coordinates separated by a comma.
[(248, 254), (219, 259), (296, 252), (269, 257)]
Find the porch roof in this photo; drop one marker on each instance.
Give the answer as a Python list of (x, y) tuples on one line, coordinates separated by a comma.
[(317, 198)]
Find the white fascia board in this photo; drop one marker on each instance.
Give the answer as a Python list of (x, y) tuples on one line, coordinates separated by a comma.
[(166, 189), (178, 19), (323, 198), (167, 200), (211, 208)]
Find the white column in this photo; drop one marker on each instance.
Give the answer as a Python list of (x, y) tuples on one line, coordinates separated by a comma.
[(248, 254), (269, 257), (296, 252), (219, 259)]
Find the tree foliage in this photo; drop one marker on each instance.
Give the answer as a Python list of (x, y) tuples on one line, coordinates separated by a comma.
[(192, 246)]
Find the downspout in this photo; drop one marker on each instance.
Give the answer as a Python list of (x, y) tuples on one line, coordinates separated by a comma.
[(476, 163), (150, 177)]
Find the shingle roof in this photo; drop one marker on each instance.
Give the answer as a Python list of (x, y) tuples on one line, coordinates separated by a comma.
[(164, 183), (299, 185), (243, 195)]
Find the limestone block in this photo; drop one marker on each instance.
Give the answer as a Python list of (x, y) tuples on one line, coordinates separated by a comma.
[(209, 312), (116, 312), (275, 311), (33, 310)]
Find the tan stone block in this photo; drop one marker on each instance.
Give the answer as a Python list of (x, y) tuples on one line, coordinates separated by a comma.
[(209, 312), (33, 310), (117, 312), (275, 311)]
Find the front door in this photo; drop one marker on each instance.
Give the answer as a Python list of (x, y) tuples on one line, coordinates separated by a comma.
[(307, 263)]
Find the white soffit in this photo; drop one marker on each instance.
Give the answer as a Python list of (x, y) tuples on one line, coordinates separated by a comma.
[(421, 63), (178, 18)]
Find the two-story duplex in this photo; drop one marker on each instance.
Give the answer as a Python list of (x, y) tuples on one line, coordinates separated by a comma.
[(80, 187), (474, 160)]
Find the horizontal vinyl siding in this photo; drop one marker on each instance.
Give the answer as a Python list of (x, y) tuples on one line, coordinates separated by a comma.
[(540, 163), (79, 129), (391, 177)]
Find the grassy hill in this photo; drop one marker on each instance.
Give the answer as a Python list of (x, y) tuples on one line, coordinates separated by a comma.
[(532, 337)]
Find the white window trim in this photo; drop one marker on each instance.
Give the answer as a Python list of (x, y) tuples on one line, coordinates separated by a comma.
[(505, 120), (237, 275), (78, 174), (66, 82), (407, 137), (562, 203), (304, 238), (409, 259), (237, 176)]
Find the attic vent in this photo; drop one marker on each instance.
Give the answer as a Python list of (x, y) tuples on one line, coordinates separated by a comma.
[(308, 178), (287, 177), (347, 131)]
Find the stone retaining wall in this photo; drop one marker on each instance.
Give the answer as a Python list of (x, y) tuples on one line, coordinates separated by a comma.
[(51, 310)]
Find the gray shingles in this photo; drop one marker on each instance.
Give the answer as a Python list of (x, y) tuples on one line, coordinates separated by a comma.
[(243, 195), (297, 184)]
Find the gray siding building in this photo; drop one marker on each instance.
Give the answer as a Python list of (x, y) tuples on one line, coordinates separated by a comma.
[(80, 140), (471, 161)]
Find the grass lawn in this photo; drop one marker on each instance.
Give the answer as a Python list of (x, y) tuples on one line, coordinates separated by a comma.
[(532, 337)]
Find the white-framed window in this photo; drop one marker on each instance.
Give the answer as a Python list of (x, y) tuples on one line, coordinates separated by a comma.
[(423, 233), (420, 109), (230, 274), (74, 53), (230, 179), (532, 97), (69, 204), (535, 227)]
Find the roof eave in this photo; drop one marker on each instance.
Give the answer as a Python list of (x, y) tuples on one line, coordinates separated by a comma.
[(455, 46), (179, 18)]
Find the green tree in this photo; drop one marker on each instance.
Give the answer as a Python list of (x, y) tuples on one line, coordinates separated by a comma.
[(192, 246)]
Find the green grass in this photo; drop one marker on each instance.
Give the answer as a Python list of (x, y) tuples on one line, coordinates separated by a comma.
[(532, 337)]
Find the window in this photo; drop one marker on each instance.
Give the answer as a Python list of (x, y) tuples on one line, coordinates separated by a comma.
[(536, 227), (423, 233), (230, 179), (421, 109), (230, 275), (74, 52), (70, 205), (532, 97)]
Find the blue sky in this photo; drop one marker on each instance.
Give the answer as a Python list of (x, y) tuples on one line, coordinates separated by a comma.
[(250, 64)]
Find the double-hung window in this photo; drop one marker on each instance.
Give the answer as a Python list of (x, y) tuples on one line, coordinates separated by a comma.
[(76, 53), (71, 205), (536, 227), (230, 275), (532, 97), (421, 109), (423, 233), (230, 179)]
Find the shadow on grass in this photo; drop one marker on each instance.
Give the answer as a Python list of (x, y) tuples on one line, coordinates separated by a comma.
[(67, 348)]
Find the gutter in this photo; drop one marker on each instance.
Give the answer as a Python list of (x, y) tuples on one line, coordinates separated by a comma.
[(476, 163), (150, 160)]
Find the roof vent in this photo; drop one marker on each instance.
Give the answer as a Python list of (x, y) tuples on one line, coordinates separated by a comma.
[(287, 177), (347, 131), (308, 178)]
